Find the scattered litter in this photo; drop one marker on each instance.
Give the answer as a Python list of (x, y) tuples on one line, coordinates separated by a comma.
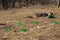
[(41, 14), (43, 27), (40, 26), (37, 26), (44, 15), (51, 15), (32, 28)]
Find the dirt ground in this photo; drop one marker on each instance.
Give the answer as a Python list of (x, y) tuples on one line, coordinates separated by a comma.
[(51, 32)]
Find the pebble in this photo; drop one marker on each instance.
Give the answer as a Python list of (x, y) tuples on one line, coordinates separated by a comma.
[(7, 22)]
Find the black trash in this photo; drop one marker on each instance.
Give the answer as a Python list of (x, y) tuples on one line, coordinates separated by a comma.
[(51, 16), (44, 15), (41, 14)]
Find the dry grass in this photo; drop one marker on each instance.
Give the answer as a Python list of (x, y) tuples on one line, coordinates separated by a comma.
[(14, 15)]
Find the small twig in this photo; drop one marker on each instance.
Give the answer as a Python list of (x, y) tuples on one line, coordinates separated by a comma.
[(2, 23)]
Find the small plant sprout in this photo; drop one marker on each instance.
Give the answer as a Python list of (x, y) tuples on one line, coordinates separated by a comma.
[(19, 23)]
